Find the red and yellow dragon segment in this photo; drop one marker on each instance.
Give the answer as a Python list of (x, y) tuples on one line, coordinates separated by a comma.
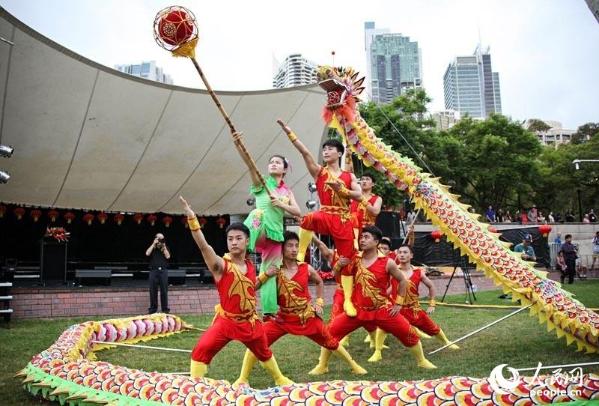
[(550, 303), (68, 373)]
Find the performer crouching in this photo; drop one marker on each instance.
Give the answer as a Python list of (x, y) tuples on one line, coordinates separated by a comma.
[(411, 309), (236, 317), (372, 271), (297, 315)]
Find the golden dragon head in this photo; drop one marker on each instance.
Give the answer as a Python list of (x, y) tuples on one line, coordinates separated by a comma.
[(341, 85)]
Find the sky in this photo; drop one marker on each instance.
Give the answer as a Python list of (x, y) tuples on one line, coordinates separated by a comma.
[(546, 51)]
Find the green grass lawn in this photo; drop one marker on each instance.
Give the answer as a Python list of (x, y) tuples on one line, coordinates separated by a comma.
[(519, 342)]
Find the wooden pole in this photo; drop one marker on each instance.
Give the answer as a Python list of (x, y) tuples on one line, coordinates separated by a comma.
[(232, 129)]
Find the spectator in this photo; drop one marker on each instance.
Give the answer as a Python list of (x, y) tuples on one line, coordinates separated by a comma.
[(586, 219), (523, 217), (508, 217), (533, 215), (569, 217), (570, 253), (558, 239), (528, 252), (560, 264), (490, 214), (550, 217), (592, 216), (558, 218), (541, 219), (595, 249), (500, 216)]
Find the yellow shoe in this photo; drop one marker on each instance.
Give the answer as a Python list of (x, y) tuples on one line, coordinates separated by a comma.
[(323, 362), (273, 369), (197, 369), (355, 367), (249, 360), (422, 362), (444, 340), (376, 356)]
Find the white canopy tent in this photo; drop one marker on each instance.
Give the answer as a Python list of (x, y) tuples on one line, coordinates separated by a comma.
[(87, 136)]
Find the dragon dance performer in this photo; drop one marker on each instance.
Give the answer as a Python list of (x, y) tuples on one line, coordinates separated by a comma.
[(236, 317), (372, 271), (411, 309), (297, 315), (265, 222), (366, 210), (335, 189)]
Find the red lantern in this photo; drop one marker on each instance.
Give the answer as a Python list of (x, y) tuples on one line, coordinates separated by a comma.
[(19, 212), (69, 217), (184, 221), (167, 220), (88, 218), (175, 26), (436, 235), (2, 210), (118, 218), (202, 221), (53, 215), (35, 215), (545, 229), (138, 217), (221, 222), (151, 219), (102, 217)]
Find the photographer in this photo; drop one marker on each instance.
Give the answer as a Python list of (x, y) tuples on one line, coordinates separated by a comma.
[(159, 256)]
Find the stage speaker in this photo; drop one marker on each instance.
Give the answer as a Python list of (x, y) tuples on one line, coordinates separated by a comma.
[(177, 276), (93, 276), (53, 261)]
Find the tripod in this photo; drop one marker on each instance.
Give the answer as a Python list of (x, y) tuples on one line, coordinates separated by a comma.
[(463, 264)]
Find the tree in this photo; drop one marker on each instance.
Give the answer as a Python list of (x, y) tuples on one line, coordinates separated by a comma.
[(536, 125)]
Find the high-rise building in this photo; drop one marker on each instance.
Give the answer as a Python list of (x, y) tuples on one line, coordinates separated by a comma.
[(470, 85), (393, 63), (594, 6), (295, 71), (146, 70), (445, 119)]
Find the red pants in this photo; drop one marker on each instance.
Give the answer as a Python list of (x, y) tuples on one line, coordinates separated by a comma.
[(338, 299), (421, 320), (397, 325), (342, 232), (224, 330), (314, 329)]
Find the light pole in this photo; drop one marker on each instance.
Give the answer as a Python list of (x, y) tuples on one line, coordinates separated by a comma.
[(577, 163)]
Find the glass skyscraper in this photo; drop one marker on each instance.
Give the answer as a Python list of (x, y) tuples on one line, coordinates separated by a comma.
[(394, 63), (146, 70), (295, 71), (471, 87)]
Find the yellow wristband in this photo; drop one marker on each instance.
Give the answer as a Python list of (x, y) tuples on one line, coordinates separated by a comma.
[(320, 301), (292, 137), (432, 303), (193, 223), (263, 277), (400, 300)]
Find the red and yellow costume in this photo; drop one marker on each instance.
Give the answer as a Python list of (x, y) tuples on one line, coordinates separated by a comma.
[(361, 214), (337, 307), (236, 317), (411, 309), (296, 315), (333, 218), (373, 305)]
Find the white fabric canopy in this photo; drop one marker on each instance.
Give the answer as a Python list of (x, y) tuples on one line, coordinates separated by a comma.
[(87, 136)]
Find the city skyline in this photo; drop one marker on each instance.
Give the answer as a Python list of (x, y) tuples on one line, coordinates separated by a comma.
[(547, 69)]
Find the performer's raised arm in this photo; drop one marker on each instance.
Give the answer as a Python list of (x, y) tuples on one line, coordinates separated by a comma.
[(313, 167), (213, 261), (246, 158)]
